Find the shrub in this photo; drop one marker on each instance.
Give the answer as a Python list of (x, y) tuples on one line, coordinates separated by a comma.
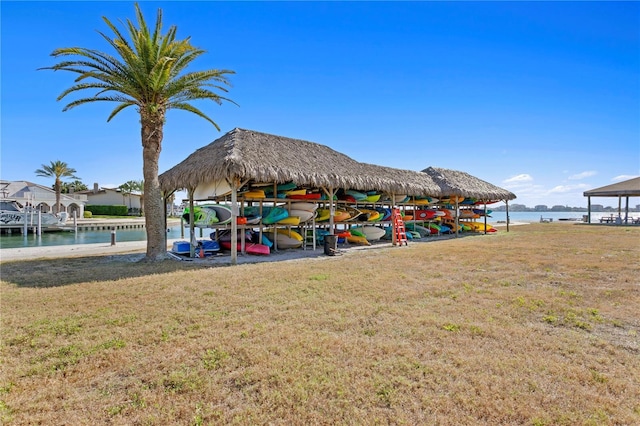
[(107, 210), (87, 215)]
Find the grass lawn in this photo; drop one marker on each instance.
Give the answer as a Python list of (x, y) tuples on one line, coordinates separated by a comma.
[(538, 326)]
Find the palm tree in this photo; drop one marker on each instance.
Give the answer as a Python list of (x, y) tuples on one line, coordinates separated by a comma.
[(76, 186), (126, 189), (58, 170), (149, 74), (138, 186), (129, 188)]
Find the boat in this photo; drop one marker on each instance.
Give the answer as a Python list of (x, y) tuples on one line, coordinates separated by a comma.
[(280, 187), (253, 219), (307, 196), (274, 215), (249, 248), (341, 215), (423, 231), (371, 215), (203, 217), (303, 205), (206, 215), (357, 195), (358, 239), (354, 214), (323, 215), (204, 191), (284, 238), (468, 214), (290, 220), (420, 201), (303, 215), (424, 214), (296, 192), (480, 227), (13, 215), (254, 194), (373, 198), (371, 233), (385, 213), (482, 212)]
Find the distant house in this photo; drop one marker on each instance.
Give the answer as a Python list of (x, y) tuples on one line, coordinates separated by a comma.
[(31, 194), (112, 197)]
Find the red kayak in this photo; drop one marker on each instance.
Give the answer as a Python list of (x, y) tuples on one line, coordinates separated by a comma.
[(250, 248), (424, 214), (309, 196)]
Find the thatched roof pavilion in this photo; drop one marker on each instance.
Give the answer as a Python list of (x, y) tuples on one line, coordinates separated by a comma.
[(249, 155), (456, 183), (246, 156)]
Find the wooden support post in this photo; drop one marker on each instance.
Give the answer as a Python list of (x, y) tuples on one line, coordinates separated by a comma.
[(192, 227), (234, 221)]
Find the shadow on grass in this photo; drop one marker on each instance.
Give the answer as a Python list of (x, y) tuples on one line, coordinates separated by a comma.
[(61, 272)]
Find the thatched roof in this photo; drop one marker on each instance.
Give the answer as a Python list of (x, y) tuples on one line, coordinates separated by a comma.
[(407, 182), (627, 188), (265, 158), (262, 157), (456, 183)]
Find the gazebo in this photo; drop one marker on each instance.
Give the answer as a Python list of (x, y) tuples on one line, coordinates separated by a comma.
[(626, 189)]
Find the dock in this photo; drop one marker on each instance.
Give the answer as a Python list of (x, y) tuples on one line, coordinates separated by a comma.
[(109, 224)]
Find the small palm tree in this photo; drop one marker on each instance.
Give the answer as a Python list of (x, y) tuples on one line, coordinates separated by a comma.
[(129, 188), (148, 73), (76, 186), (58, 170), (138, 186), (126, 189)]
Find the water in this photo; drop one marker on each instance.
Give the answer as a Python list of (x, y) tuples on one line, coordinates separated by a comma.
[(139, 234), (86, 237), (535, 216)]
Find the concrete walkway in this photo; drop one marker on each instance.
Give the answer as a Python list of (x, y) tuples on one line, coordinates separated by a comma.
[(75, 250)]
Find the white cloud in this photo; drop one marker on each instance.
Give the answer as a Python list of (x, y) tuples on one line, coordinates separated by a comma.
[(563, 189), (523, 177), (621, 178), (583, 175)]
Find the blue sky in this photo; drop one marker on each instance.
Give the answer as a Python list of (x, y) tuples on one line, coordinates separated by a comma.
[(541, 98)]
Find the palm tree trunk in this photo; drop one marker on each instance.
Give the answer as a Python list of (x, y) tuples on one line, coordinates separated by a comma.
[(152, 134), (58, 189)]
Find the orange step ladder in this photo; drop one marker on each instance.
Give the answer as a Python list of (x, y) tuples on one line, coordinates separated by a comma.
[(400, 232)]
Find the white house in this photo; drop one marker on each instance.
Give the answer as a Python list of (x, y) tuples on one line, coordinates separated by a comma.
[(112, 197), (31, 194)]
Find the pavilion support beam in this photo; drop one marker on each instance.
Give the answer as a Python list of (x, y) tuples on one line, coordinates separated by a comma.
[(330, 192), (508, 220), (234, 221), (457, 220), (626, 211), (192, 225)]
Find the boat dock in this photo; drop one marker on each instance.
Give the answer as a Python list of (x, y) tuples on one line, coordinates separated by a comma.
[(109, 224)]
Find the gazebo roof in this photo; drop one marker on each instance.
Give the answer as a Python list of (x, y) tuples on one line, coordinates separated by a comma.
[(627, 188), (264, 158), (261, 157)]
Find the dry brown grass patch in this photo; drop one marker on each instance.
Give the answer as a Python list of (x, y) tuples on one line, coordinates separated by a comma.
[(537, 326)]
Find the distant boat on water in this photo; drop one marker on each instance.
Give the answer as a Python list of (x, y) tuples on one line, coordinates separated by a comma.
[(13, 216)]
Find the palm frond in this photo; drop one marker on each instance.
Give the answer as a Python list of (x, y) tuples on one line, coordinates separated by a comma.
[(190, 108)]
